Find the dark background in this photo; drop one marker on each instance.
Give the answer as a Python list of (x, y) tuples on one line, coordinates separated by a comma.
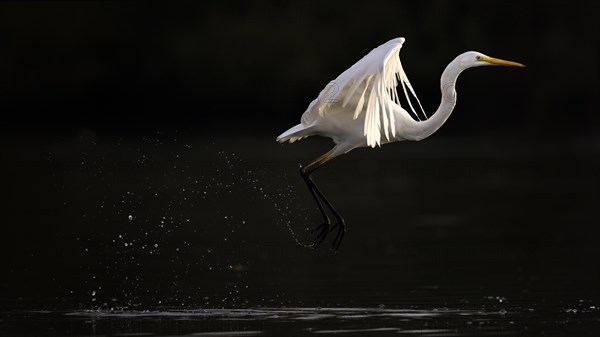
[(168, 113), (121, 68)]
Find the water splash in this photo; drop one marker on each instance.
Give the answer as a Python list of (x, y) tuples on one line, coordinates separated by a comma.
[(169, 202)]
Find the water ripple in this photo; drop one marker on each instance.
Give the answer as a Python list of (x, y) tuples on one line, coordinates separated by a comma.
[(288, 313)]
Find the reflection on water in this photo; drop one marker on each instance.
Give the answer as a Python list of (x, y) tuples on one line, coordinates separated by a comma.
[(379, 321), (289, 313)]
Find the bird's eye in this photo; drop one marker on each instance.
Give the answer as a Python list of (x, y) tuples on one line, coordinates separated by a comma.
[(478, 58)]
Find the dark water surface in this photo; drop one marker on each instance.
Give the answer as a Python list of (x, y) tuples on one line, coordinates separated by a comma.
[(167, 235), (282, 321)]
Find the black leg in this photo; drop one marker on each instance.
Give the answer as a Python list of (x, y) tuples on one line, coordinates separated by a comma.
[(324, 228)]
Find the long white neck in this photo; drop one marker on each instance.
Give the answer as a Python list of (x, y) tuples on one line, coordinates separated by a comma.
[(426, 128)]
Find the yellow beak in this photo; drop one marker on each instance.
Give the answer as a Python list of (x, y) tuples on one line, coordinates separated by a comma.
[(501, 62)]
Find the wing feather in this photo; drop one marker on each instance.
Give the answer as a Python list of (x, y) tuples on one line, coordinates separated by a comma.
[(361, 100), (376, 76)]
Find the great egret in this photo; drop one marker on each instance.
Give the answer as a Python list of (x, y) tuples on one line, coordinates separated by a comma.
[(361, 108)]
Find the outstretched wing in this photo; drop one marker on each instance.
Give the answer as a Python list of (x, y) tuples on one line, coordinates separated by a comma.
[(371, 81)]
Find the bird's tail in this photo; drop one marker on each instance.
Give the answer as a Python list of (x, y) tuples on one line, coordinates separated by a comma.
[(295, 133)]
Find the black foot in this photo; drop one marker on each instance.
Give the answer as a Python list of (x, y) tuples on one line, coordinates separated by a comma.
[(322, 231), (340, 234)]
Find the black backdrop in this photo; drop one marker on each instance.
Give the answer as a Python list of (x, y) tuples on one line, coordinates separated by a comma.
[(111, 109)]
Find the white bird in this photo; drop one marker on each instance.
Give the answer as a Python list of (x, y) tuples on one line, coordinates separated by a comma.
[(361, 108)]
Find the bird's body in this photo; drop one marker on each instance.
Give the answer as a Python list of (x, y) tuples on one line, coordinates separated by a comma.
[(361, 108)]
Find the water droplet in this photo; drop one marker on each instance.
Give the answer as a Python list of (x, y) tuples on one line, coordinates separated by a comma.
[(130, 217)]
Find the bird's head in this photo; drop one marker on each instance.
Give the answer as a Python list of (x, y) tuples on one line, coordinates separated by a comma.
[(477, 59)]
